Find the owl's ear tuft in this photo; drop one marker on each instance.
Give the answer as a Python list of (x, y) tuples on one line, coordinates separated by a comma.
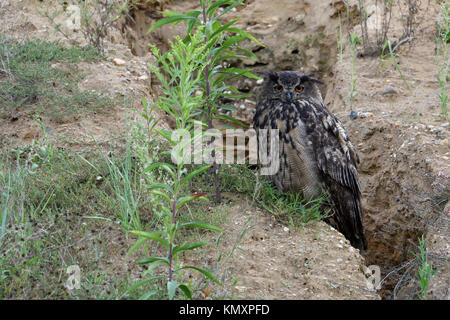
[(310, 77), (268, 75)]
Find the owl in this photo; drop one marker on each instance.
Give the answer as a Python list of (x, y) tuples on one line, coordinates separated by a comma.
[(315, 153)]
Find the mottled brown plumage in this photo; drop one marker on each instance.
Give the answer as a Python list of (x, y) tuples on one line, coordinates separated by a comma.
[(315, 152)]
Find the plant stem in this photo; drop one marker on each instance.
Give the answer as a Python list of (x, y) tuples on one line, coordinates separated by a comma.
[(174, 211), (209, 107)]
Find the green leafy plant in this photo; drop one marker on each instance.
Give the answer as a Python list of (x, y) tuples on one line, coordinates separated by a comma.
[(41, 74), (222, 44), (425, 271), (180, 75), (98, 17), (392, 58), (94, 18), (354, 40), (288, 208)]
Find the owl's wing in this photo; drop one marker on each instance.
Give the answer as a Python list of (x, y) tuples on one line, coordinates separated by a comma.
[(337, 160), (335, 154)]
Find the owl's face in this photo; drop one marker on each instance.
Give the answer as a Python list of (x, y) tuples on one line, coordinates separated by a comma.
[(289, 86)]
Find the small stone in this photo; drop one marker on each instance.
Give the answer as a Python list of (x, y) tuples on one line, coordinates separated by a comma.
[(143, 78), (300, 18), (259, 82), (365, 114), (286, 229), (118, 62), (390, 90), (436, 131), (353, 115)]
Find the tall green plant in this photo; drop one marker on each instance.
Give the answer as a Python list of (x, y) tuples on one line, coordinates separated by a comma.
[(180, 75), (222, 42)]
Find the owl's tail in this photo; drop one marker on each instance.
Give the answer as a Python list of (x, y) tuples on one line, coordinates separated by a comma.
[(347, 215)]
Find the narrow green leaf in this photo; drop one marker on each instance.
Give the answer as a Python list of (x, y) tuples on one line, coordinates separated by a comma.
[(141, 283), (189, 246), (153, 259), (169, 168), (148, 294), (245, 34), (172, 288), (162, 194), (160, 186), (224, 27), (229, 118), (204, 272), (152, 236), (172, 19), (240, 72), (200, 225), (186, 291), (195, 173), (136, 245), (166, 134), (212, 8), (151, 266), (183, 200)]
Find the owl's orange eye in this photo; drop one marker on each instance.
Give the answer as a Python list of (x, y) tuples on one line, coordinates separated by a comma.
[(277, 88), (299, 88)]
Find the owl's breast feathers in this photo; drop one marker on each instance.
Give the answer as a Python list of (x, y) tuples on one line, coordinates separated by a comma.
[(315, 152), (308, 126)]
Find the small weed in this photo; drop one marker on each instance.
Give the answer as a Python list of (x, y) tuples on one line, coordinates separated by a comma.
[(289, 208), (31, 76), (393, 58), (354, 40), (425, 271)]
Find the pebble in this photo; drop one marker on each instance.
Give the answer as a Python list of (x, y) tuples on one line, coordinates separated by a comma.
[(390, 90), (286, 229), (365, 114), (353, 115), (118, 62)]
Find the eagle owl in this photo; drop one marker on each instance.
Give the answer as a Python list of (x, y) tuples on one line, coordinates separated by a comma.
[(314, 150)]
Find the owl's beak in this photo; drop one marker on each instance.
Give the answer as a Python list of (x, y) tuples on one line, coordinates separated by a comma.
[(288, 97)]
